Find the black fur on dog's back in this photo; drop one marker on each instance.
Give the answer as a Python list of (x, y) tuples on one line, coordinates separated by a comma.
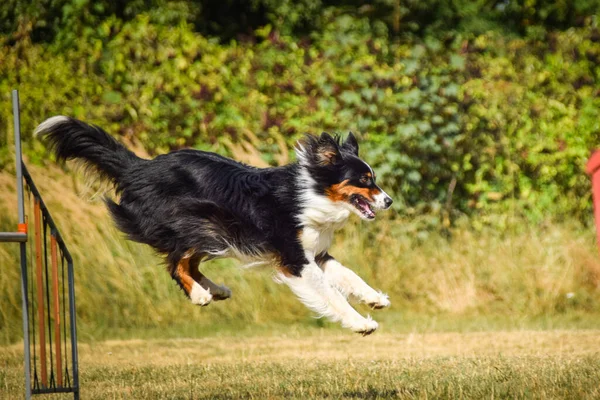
[(188, 200), (196, 200)]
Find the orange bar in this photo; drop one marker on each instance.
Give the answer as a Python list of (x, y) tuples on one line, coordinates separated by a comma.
[(40, 289), (56, 309), (22, 228), (593, 170)]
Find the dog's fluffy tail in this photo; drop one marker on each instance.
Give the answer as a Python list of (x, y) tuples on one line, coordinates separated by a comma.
[(70, 138)]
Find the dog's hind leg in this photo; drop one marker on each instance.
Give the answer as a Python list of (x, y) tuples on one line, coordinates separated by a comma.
[(219, 292), (182, 273)]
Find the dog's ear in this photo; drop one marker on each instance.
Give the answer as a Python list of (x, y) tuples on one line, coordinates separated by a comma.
[(321, 150), (327, 151), (350, 144)]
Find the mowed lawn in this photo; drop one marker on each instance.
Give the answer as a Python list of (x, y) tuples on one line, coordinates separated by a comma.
[(323, 364)]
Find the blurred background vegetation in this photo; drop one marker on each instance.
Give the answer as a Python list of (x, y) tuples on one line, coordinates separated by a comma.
[(478, 116)]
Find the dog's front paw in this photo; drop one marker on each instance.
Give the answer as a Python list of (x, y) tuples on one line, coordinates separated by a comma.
[(365, 327), (379, 301)]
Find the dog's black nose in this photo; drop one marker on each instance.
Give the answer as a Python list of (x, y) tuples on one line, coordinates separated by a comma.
[(388, 202)]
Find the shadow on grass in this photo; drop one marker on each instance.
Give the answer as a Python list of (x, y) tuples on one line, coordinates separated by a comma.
[(374, 393)]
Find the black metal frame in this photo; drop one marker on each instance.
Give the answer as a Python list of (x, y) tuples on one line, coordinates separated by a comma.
[(23, 176)]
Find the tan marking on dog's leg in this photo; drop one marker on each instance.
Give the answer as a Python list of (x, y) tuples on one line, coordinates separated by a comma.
[(183, 274), (196, 292)]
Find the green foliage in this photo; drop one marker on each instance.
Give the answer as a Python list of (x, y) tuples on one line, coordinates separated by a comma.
[(453, 126), (67, 20), (531, 118)]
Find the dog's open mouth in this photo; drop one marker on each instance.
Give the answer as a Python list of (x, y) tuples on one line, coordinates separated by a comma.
[(363, 206)]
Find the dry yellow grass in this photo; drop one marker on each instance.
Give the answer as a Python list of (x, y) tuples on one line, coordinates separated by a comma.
[(523, 273), (519, 364), (327, 347)]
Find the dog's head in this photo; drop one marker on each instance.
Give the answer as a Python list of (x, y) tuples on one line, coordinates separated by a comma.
[(337, 173)]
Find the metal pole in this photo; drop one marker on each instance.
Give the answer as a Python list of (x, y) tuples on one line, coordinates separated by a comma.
[(56, 301), (13, 237), (18, 155), (23, 245), (37, 214), (25, 311), (71, 279)]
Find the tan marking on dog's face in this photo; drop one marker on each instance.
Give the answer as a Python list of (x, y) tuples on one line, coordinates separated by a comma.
[(374, 192), (343, 191), (327, 157)]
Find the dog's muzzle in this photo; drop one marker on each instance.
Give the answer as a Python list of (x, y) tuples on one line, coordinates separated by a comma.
[(382, 201)]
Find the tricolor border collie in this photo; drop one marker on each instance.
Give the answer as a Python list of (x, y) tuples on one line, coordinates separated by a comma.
[(194, 206)]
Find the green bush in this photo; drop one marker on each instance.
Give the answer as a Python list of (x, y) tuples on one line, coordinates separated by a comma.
[(531, 119), (471, 124), (65, 21)]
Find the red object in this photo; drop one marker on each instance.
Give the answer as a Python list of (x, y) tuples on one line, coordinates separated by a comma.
[(593, 169)]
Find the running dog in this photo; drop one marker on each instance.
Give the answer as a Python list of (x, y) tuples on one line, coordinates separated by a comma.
[(193, 206)]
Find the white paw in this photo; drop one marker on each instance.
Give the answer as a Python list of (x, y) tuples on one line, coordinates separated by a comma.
[(365, 327), (378, 301), (222, 293), (200, 296)]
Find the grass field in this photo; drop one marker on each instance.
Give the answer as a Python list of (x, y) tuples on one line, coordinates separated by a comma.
[(322, 364), (482, 313)]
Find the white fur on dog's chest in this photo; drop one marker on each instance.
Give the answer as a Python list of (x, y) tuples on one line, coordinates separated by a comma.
[(320, 218), (317, 239)]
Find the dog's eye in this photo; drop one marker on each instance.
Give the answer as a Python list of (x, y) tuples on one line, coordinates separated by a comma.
[(365, 180)]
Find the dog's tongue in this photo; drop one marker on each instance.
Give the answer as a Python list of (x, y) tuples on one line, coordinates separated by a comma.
[(366, 209)]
